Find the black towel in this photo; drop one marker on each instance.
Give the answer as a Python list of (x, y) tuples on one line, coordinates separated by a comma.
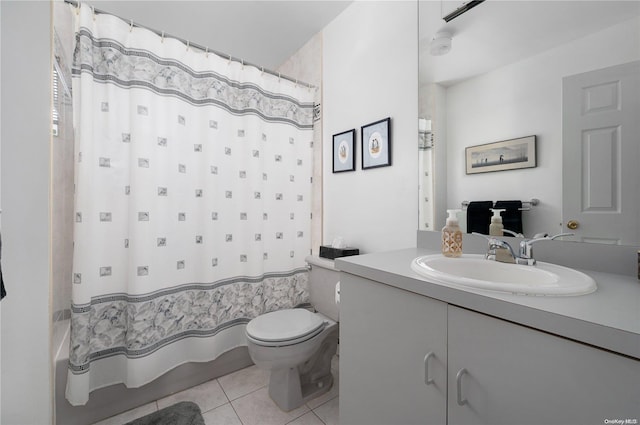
[(479, 216), (511, 216)]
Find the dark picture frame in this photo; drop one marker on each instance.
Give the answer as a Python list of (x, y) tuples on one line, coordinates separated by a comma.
[(376, 144), (510, 154), (344, 155)]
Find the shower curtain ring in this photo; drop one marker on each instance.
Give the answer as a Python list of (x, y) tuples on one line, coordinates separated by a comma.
[(206, 52), (187, 45), (278, 77), (162, 37), (78, 9), (262, 73), (131, 26), (93, 12), (230, 58), (242, 62)]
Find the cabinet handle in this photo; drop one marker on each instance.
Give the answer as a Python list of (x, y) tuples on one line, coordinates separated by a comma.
[(428, 380), (461, 401)]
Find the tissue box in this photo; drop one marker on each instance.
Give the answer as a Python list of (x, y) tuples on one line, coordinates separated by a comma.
[(333, 253)]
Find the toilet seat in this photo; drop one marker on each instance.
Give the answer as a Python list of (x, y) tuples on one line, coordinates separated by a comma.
[(284, 327)]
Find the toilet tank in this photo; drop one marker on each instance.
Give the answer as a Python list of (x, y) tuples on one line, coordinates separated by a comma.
[(322, 285)]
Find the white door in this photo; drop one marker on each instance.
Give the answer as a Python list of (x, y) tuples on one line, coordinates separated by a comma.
[(601, 155)]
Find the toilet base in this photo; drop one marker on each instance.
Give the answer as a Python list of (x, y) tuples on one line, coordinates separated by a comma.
[(290, 388), (285, 389)]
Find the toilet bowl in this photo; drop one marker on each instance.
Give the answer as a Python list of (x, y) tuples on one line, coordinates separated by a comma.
[(297, 345)]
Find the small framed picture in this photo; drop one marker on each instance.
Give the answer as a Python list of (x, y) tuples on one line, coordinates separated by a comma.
[(500, 156), (376, 144), (344, 158)]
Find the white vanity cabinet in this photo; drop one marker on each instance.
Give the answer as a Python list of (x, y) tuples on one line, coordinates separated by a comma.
[(518, 375), (511, 374), (386, 337)]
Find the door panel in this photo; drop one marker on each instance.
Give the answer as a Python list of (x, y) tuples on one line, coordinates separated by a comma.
[(601, 154), (386, 335), (517, 375)]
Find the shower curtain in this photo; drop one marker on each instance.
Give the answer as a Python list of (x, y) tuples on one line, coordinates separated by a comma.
[(192, 203)]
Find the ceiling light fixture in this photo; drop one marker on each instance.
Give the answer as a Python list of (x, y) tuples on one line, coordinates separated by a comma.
[(462, 9), (441, 44)]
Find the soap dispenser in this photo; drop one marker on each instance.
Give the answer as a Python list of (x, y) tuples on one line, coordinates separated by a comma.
[(496, 228), (452, 236)]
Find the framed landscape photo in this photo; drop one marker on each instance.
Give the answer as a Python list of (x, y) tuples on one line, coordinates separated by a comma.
[(344, 158), (376, 144), (500, 156)]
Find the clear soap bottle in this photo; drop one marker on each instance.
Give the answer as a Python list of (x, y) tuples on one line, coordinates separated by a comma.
[(452, 236)]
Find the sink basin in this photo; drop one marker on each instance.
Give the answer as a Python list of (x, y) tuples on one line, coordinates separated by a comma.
[(476, 272)]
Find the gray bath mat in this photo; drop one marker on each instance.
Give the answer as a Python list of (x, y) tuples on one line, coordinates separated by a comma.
[(183, 413)]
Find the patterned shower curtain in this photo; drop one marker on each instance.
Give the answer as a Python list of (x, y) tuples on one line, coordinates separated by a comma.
[(192, 203)]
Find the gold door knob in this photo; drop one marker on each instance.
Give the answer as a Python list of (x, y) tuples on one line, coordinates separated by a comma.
[(573, 224)]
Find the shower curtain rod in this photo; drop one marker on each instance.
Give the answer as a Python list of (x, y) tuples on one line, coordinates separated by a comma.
[(189, 44)]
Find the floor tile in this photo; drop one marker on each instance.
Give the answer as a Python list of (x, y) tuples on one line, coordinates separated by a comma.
[(244, 381), (329, 412), (207, 396), (257, 408), (307, 419), (250, 402), (130, 415), (223, 415)]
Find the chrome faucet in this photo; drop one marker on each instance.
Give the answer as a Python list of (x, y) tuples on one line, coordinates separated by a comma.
[(496, 244), (525, 253)]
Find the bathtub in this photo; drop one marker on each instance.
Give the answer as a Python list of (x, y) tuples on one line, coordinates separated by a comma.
[(115, 399)]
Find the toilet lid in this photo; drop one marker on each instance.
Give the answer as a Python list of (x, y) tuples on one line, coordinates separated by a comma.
[(284, 325)]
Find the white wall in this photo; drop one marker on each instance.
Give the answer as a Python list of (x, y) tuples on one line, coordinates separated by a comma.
[(525, 99), (25, 135), (370, 72)]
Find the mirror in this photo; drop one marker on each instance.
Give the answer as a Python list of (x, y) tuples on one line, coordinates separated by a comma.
[(503, 79)]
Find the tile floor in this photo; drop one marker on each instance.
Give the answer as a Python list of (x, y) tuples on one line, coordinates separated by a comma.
[(241, 398)]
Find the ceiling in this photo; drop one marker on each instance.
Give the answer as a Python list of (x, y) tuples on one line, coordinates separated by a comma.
[(264, 33), (496, 33)]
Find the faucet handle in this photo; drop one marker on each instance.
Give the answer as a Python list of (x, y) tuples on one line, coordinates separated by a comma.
[(546, 237), (493, 241), (559, 235), (512, 233), (526, 249)]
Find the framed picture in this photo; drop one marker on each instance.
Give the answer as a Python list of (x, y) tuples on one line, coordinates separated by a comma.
[(500, 156), (344, 158), (376, 144)]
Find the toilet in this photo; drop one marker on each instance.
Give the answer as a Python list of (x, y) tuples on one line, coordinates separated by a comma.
[(296, 344)]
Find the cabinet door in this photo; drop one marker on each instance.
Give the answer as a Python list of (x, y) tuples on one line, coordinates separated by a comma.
[(517, 375), (385, 335)]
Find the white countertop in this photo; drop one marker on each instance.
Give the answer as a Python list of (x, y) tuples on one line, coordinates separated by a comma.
[(608, 318)]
